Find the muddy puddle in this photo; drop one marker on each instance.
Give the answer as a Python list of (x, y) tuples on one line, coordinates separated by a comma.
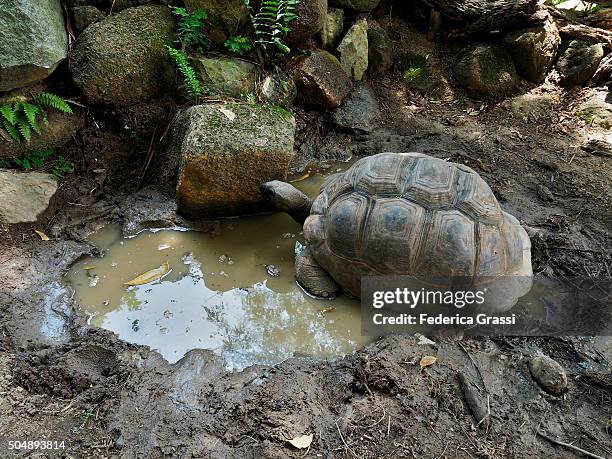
[(231, 291)]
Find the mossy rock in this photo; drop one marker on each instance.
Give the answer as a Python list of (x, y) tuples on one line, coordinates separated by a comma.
[(122, 60), (227, 15), (416, 71), (225, 76), (486, 70), (579, 62)]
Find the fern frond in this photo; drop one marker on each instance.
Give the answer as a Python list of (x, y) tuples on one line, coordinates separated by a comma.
[(8, 113), (47, 99), (192, 84), (11, 129), (271, 23)]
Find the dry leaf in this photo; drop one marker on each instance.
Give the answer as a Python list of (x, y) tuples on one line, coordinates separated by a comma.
[(89, 268), (428, 360), (299, 179), (150, 276), (42, 235), (328, 309), (302, 442)]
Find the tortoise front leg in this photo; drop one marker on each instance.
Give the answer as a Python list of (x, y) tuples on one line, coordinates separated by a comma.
[(313, 278)]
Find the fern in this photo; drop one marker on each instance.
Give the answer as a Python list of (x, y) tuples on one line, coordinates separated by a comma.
[(20, 118), (192, 84), (191, 28), (271, 23)]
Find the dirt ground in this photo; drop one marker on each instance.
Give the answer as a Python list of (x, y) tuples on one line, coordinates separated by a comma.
[(62, 380)]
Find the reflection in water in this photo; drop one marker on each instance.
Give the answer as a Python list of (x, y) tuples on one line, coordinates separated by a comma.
[(219, 294)]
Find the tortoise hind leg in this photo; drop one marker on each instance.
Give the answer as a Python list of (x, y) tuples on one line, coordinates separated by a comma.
[(312, 278)]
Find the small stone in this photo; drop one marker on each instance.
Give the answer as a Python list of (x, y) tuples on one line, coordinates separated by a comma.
[(272, 271), (332, 28), (579, 62), (545, 194), (321, 80), (278, 89), (225, 76), (353, 50), (596, 111), (549, 375), (380, 49), (360, 112), (25, 195)]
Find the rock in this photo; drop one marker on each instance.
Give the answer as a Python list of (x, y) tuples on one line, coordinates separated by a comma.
[(545, 194), (82, 16), (321, 80), (332, 28), (598, 147), (360, 112), (353, 50), (579, 62), (361, 6), (310, 20), (112, 64), (224, 153), (534, 50), (416, 72), (25, 195), (596, 112), (225, 76), (278, 89), (531, 105), (57, 133), (33, 41), (485, 70), (549, 375), (228, 15), (380, 49), (603, 75)]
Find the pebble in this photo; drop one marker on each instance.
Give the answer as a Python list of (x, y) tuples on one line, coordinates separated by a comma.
[(272, 271), (549, 375)]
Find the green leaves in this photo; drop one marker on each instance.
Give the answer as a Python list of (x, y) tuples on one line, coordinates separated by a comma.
[(40, 160), (191, 28), (239, 45), (20, 119), (271, 24), (192, 84)]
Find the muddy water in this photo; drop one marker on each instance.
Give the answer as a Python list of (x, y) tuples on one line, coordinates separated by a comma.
[(232, 291)]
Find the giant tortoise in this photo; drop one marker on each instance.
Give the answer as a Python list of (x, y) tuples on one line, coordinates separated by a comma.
[(402, 214)]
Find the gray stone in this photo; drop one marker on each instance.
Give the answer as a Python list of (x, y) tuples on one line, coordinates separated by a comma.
[(380, 49), (225, 76), (321, 80), (332, 28), (83, 16), (113, 64), (549, 375), (227, 15), (485, 70), (25, 195), (353, 50), (33, 41), (278, 89), (224, 153), (361, 6), (360, 112), (531, 105), (579, 62), (596, 112), (534, 50)]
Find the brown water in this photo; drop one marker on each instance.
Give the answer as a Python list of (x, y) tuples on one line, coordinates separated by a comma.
[(220, 293)]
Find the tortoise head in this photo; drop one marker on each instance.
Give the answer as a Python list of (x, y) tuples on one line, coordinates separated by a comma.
[(284, 197)]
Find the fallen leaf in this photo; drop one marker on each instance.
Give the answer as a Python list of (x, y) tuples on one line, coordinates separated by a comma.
[(150, 276), (230, 115), (88, 268), (299, 179), (42, 235), (328, 309), (427, 360), (302, 441)]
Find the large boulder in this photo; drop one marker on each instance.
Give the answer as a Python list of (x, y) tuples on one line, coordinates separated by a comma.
[(310, 20), (332, 28), (485, 70), (380, 49), (321, 80), (227, 15), (353, 50), (579, 62), (33, 41), (226, 76), (122, 60), (25, 195), (534, 50), (224, 153), (361, 6)]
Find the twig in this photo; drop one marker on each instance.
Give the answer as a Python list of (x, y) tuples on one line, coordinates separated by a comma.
[(567, 445), (348, 448)]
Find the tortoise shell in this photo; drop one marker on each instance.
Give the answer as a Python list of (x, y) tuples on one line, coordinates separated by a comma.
[(412, 214)]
